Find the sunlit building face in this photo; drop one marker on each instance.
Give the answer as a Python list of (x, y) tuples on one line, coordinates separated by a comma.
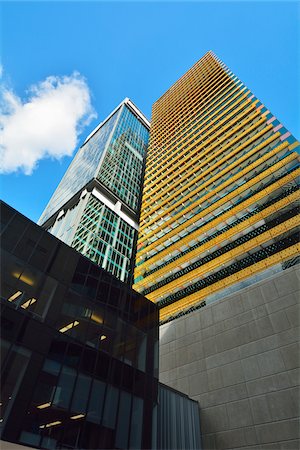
[(220, 190)]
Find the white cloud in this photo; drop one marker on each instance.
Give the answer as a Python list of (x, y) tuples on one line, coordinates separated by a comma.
[(45, 125)]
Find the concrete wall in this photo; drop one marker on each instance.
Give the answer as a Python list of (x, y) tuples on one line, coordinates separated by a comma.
[(239, 357)]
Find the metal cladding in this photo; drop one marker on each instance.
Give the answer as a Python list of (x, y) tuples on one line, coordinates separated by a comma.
[(220, 194)]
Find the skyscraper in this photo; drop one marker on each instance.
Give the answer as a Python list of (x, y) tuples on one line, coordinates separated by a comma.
[(220, 192), (95, 208)]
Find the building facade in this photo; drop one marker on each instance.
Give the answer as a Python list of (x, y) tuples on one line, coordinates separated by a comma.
[(218, 252), (219, 208), (78, 347), (96, 206)]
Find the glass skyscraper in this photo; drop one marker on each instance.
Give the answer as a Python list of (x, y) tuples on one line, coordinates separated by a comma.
[(220, 195), (95, 208)]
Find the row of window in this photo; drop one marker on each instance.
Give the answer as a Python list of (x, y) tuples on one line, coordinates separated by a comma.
[(226, 248), (288, 190), (248, 193), (233, 268)]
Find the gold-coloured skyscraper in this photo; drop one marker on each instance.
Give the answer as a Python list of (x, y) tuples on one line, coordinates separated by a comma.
[(220, 193)]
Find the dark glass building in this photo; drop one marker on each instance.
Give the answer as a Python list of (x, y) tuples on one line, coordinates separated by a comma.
[(78, 347)]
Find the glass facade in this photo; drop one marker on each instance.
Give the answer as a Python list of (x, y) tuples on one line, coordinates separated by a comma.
[(221, 191), (122, 168), (78, 347), (105, 238), (82, 169), (96, 206)]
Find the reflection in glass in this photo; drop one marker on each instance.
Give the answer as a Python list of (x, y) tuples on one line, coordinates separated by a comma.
[(81, 393), (136, 423), (110, 408), (64, 388), (123, 420), (96, 401)]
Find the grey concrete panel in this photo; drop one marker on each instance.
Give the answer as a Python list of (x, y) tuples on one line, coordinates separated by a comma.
[(219, 327), (180, 329), (273, 446), (215, 380), (197, 349), (168, 362), (260, 386), (259, 311), (192, 323), (280, 321), (270, 362), (286, 283), (281, 381), (282, 303), (222, 358), (214, 419), (244, 334), (230, 439), (230, 393), (278, 431), (291, 355), (166, 333), (250, 349), (221, 311), (206, 318), (226, 340), (268, 291), (252, 298), (288, 336), (164, 349), (208, 332), (237, 304), (264, 327), (188, 369), (282, 404), (206, 399), (294, 376), (239, 320), (251, 368), (172, 346), (222, 396), (188, 339), (182, 357), (183, 385), (173, 374), (239, 414), (232, 373), (290, 445), (209, 346), (270, 342), (198, 383), (250, 435), (293, 314), (260, 409), (164, 377), (208, 441)]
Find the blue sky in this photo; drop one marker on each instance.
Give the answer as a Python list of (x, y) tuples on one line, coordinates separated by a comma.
[(137, 50)]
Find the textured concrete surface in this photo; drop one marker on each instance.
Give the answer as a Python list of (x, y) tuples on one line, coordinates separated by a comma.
[(239, 357)]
